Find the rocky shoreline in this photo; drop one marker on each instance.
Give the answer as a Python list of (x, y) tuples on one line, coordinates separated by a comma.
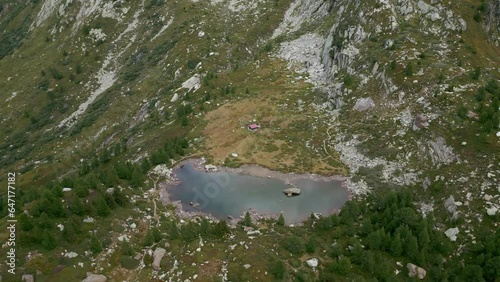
[(248, 169)]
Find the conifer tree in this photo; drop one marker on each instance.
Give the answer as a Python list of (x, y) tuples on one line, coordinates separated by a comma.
[(411, 247), (423, 238), (25, 222), (247, 221), (48, 241), (156, 234), (101, 207), (76, 205), (126, 249), (149, 240), (120, 198), (220, 229), (281, 220), (95, 245), (396, 245)]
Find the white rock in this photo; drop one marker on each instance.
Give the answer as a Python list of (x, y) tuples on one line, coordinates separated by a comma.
[(95, 278), (193, 83), (133, 225), (364, 104), (253, 232), (388, 43), (157, 256), (71, 255), (201, 34), (313, 263), (174, 98), (414, 270), (452, 233), (492, 211), (234, 155), (88, 220), (27, 278), (246, 266), (66, 189)]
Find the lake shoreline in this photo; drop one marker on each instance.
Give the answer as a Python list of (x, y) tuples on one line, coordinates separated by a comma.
[(246, 169)]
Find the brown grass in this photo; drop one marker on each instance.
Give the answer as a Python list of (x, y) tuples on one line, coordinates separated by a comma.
[(226, 127)]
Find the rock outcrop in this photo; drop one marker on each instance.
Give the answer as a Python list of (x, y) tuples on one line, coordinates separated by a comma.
[(312, 263), (158, 254), (414, 270), (452, 234), (95, 278), (27, 278)]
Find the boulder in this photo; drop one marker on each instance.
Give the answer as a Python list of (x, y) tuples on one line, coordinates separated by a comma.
[(452, 233), (414, 270), (313, 263), (27, 278), (426, 183), (95, 278), (449, 204), (388, 43), (364, 104), (420, 122), (247, 266), (66, 189), (157, 256), (492, 211), (71, 255), (174, 98), (210, 168), (291, 191)]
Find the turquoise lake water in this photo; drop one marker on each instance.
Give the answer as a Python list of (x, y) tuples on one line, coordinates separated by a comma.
[(224, 194)]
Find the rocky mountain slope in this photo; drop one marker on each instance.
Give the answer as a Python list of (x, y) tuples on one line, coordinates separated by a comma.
[(390, 93)]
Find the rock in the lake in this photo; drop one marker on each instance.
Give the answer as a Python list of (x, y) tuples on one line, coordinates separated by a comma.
[(95, 278), (291, 191), (27, 278), (414, 270), (157, 256), (313, 263), (210, 168)]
